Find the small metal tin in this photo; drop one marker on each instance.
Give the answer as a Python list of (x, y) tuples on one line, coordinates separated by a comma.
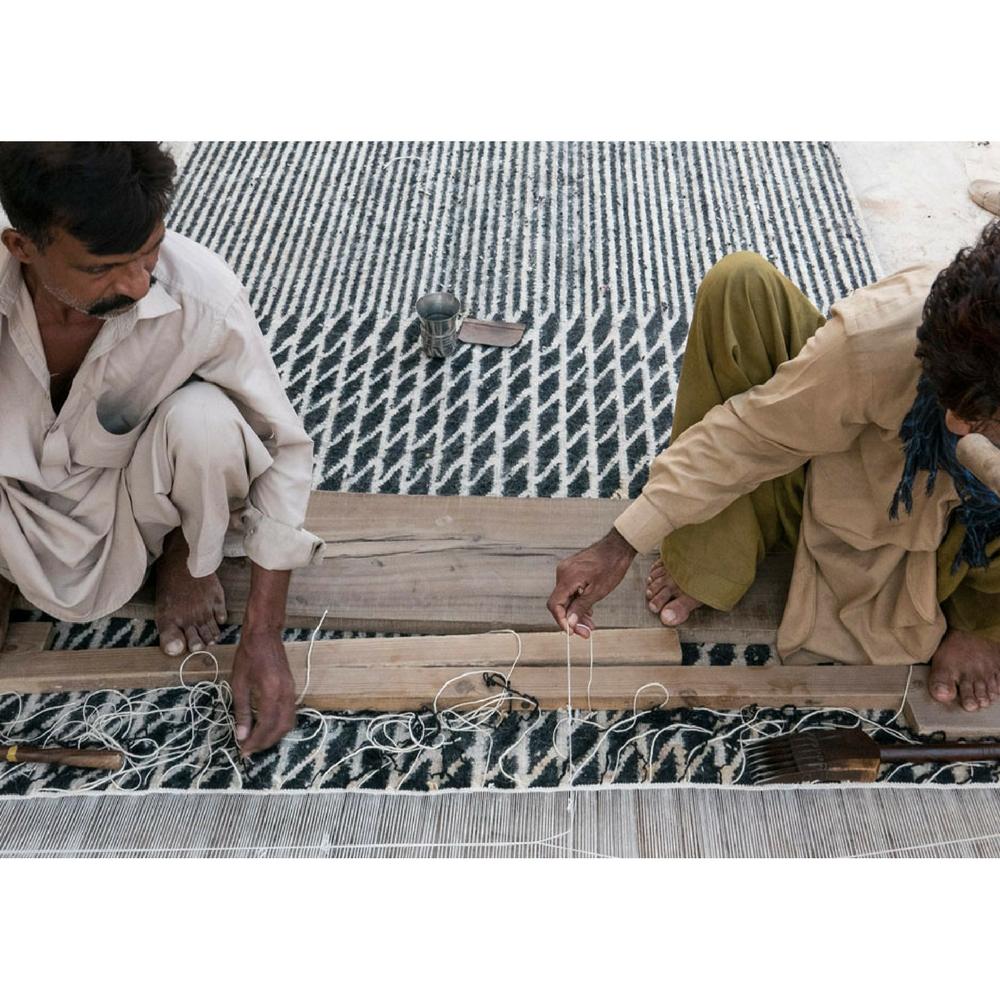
[(440, 319)]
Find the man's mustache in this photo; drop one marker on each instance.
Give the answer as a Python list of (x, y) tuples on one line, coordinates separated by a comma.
[(104, 306)]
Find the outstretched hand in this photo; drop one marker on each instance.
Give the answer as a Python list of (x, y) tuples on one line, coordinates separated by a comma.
[(586, 578)]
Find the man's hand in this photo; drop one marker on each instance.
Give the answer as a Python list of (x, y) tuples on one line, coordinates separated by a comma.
[(263, 691), (965, 667), (586, 578), (263, 688)]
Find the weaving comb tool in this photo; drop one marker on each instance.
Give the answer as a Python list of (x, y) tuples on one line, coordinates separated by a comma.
[(108, 760), (848, 755)]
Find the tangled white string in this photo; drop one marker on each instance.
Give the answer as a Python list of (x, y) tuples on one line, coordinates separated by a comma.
[(200, 727)]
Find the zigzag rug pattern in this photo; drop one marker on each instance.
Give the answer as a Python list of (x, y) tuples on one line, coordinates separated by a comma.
[(597, 248)]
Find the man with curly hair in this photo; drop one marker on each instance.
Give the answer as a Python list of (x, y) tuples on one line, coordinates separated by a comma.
[(144, 426), (835, 438)]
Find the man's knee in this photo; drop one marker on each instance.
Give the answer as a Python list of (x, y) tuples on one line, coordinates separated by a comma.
[(738, 273), (200, 419)]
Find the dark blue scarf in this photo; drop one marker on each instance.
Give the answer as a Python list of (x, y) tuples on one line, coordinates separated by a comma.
[(930, 445)]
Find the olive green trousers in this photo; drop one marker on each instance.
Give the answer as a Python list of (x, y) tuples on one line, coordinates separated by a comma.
[(749, 318)]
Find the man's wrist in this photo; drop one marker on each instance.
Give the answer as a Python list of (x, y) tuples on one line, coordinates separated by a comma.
[(266, 603), (617, 541)]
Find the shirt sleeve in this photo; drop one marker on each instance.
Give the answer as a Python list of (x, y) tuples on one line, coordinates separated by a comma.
[(813, 404), (241, 365)]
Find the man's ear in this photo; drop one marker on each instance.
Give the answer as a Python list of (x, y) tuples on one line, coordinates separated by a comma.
[(956, 424), (19, 246)]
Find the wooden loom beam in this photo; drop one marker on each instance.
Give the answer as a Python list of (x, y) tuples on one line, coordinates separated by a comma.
[(451, 565), (404, 674)]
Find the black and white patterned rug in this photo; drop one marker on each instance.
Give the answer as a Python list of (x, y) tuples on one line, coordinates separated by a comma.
[(598, 248)]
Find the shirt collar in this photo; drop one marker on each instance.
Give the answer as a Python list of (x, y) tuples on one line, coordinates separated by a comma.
[(10, 279), (155, 303)]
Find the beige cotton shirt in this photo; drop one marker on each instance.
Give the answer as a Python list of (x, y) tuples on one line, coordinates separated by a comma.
[(864, 586), (67, 534)]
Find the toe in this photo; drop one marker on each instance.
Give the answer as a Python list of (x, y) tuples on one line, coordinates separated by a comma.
[(658, 597), (676, 611), (993, 686), (942, 685), (221, 613), (171, 640), (982, 696), (212, 627), (967, 694), (194, 642), (209, 633), (656, 573)]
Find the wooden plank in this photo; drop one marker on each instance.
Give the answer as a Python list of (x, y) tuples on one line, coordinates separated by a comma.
[(86, 669), (497, 651), (621, 687), (444, 565), (399, 674), (27, 637), (927, 716)]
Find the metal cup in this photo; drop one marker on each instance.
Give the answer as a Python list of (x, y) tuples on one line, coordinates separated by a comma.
[(440, 318)]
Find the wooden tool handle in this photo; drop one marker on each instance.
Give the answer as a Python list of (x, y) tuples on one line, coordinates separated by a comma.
[(938, 752), (981, 458), (109, 760)]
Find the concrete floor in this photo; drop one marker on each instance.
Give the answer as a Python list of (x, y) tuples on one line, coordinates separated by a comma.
[(913, 196)]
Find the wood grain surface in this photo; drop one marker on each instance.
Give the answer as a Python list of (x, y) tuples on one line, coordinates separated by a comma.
[(440, 565)]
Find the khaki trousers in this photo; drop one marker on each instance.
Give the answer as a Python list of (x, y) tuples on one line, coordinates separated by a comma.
[(748, 318)]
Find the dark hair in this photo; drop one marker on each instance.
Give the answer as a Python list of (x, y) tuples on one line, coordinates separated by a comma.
[(959, 336), (108, 195)]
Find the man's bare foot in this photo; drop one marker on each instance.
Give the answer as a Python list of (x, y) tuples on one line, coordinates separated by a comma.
[(189, 610), (965, 668), (665, 598)]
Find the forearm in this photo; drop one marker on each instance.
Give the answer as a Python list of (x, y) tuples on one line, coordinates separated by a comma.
[(266, 605)]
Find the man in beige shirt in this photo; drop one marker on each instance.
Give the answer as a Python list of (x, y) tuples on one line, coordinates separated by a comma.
[(835, 438), (144, 422)]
